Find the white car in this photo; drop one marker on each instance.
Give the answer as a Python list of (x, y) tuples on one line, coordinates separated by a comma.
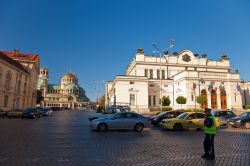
[(109, 111)]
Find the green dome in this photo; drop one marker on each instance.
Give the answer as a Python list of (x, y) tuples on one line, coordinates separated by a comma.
[(54, 87), (71, 87)]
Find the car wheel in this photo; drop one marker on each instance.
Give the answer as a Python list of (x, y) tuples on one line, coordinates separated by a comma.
[(102, 127), (177, 127), (247, 125), (139, 127)]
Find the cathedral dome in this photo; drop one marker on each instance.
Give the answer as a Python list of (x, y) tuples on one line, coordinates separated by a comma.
[(71, 87), (69, 78), (69, 75)]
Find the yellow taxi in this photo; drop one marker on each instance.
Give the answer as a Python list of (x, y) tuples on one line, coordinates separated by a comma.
[(15, 113), (187, 121)]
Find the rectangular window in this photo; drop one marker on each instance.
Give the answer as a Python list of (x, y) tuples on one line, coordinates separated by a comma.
[(146, 73), (158, 74), (149, 100), (163, 74), (151, 74), (154, 100), (192, 97), (132, 99), (19, 86), (132, 82), (5, 101)]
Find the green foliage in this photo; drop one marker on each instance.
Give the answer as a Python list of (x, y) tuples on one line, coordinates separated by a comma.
[(99, 109), (247, 107), (192, 110), (201, 99), (181, 100), (165, 101), (101, 104), (164, 109), (39, 96), (198, 110)]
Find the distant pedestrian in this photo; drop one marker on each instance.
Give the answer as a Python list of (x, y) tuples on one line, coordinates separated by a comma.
[(210, 131)]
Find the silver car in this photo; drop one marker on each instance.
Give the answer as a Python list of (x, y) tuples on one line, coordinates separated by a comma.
[(121, 120)]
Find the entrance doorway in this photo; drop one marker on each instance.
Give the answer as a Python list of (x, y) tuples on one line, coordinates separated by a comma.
[(223, 99), (204, 93), (213, 99)]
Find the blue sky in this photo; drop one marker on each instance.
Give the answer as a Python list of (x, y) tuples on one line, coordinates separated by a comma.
[(97, 39)]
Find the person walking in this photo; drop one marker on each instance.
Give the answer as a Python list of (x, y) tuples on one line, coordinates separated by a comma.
[(210, 131)]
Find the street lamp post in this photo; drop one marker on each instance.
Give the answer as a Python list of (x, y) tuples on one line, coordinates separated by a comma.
[(171, 44)]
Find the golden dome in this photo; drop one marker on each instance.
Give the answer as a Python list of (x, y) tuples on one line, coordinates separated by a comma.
[(69, 75)]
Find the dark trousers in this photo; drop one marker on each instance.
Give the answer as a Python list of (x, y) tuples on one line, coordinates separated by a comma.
[(209, 145)]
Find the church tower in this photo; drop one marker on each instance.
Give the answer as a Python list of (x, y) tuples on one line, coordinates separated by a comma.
[(43, 80)]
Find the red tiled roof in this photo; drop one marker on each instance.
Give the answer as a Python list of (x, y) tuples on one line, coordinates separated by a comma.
[(12, 62), (15, 54)]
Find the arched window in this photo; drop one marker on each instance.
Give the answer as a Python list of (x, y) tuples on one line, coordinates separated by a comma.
[(1, 76), (19, 86), (8, 80)]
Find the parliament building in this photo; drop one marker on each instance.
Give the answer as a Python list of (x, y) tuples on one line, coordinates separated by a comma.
[(183, 73)]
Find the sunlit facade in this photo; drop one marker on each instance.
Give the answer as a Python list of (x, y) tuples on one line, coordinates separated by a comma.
[(180, 74), (67, 94)]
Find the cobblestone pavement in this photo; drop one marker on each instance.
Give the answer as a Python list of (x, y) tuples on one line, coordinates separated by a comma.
[(65, 139)]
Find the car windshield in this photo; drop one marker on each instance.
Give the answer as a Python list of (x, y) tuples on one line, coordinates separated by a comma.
[(182, 116), (244, 114), (161, 114)]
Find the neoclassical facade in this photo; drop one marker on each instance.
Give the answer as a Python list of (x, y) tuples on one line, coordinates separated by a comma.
[(67, 94), (183, 73), (31, 63), (14, 84)]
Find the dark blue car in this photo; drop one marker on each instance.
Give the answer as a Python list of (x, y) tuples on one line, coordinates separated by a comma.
[(46, 112), (156, 120), (31, 113), (241, 121)]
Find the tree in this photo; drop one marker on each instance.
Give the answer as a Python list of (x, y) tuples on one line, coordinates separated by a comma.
[(181, 100), (165, 101), (101, 104), (201, 99), (39, 96)]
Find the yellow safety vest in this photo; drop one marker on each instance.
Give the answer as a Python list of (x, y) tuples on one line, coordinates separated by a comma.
[(212, 129)]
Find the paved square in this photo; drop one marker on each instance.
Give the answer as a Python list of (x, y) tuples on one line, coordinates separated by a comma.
[(65, 139)]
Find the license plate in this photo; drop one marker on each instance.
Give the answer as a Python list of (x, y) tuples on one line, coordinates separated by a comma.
[(231, 123)]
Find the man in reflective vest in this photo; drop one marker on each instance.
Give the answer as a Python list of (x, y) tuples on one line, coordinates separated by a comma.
[(210, 131)]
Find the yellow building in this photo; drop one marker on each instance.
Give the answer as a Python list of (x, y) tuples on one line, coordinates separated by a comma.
[(18, 79)]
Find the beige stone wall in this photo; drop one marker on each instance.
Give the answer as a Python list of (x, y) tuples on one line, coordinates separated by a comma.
[(33, 68), (18, 87)]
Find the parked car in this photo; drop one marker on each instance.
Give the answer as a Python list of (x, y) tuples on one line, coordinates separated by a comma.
[(3, 113), (241, 121), (121, 120), (31, 113), (108, 111), (56, 108), (46, 112), (223, 115), (156, 120), (187, 121), (15, 113)]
